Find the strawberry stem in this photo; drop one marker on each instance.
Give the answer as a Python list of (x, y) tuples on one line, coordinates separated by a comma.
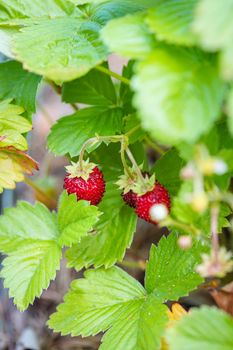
[(137, 169)]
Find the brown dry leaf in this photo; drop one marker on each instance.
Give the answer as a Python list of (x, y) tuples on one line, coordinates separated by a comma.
[(224, 298)]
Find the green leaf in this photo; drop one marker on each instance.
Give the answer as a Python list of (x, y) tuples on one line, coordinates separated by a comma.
[(23, 9), (93, 303), (29, 270), (6, 35), (129, 36), (102, 13), (75, 219), (178, 94), (28, 235), (230, 111), (95, 88), (26, 222), (142, 330), (207, 328), (170, 271), (111, 299), (69, 133), (171, 21), (18, 84), (12, 126), (61, 49), (114, 234), (167, 170), (214, 26)]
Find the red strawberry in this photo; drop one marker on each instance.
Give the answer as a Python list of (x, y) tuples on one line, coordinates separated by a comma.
[(144, 202), (87, 184)]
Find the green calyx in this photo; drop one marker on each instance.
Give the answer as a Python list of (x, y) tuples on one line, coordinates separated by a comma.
[(141, 187), (78, 170), (135, 183)]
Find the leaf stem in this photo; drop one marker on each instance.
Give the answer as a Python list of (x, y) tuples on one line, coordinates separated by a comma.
[(153, 145), (133, 264), (131, 131), (51, 201), (113, 74), (187, 228), (58, 90)]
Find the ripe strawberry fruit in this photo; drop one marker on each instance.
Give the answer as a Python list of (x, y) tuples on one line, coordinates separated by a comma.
[(158, 195), (87, 183)]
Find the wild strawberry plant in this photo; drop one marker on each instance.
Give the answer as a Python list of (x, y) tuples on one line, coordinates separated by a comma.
[(175, 96)]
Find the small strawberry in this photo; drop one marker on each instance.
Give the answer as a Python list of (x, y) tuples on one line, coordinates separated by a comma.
[(86, 182), (148, 205)]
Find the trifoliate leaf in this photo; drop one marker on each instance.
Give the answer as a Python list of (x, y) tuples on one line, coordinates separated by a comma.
[(18, 84), (114, 234), (28, 235), (75, 219), (61, 49), (129, 37), (178, 94), (142, 330), (207, 328), (13, 164), (170, 272), (171, 21), (12, 126), (69, 133), (111, 299), (95, 88), (214, 26), (167, 171)]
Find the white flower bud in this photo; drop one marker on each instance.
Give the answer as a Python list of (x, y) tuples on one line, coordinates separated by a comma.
[(185, 242), (220, 167), (158, 212)]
